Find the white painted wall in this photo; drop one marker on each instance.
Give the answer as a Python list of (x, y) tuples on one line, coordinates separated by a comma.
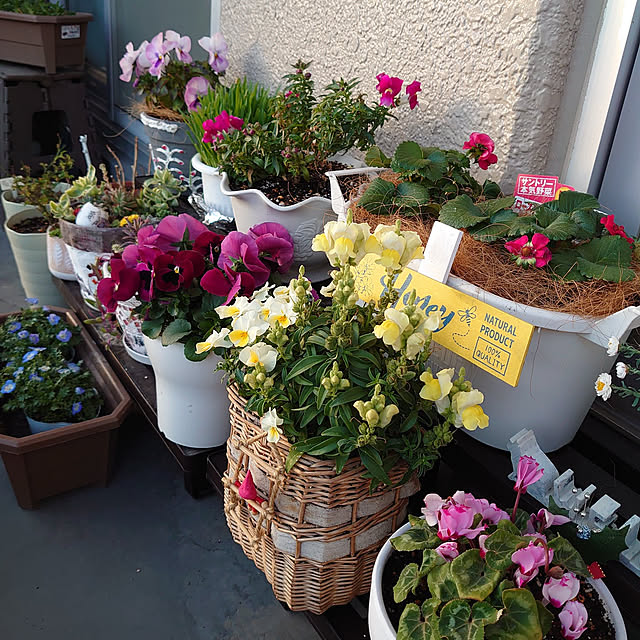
[(485, 65)]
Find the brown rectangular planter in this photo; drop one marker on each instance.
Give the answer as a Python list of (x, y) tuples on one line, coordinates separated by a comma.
[(44, 41), (46, 464)]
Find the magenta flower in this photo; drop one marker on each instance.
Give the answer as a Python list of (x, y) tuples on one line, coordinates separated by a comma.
[(389, 87), (275, 245), (222, 123), (490, 513), (481, 545), (175, 229), (208, 244), (573, 620), (217, 48), (527, 253), (177, 269), (539, 522), (412, 91), (529, 560), (239, 253), (558, 591), (156, 53), (480, 147), (128, 61), (448, 551), (456, 521), (529, 472), (196, 87), (247, 490), (216, 283), (122, 285), (180, 44)]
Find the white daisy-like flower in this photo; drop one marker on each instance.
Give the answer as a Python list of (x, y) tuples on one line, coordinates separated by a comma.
[(270, 422), (603, 386), (621, 369), (612, 346)]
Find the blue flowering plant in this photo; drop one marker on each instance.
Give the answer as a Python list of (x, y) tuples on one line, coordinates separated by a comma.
[(36, 327), (48, 388)]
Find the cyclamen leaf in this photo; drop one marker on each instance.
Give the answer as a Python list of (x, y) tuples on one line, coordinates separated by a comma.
[(546, 618), (441, 583), (408, 582), (473, 578), (459, 621), (419, 625), (415, 540), (461, 213), (500, 547), (430, 560), (566, 555), (519, 619)]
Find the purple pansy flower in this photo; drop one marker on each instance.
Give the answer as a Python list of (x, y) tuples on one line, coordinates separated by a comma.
[(34, 338), (180, 44), (53, 319), (23, 335), (156, 53), (216, 47), (195, 88), (274, 244)]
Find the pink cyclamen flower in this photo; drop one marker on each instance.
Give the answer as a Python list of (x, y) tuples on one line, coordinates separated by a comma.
[(544, 519), (217, 48), (128, 62), (558, 591), (529, 471), (573, 620), (389, 87), (448, 551), (481, 540), (412, 91), (480, 147), (195, 88), (180, 44), (529, 560), (432, 504), (156, 53), (491, 514), (527, 253), (456, 521)]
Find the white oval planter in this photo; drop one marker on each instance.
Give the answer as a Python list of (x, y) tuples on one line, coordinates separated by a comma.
[(303, 221), (58, 259), (211, 193), (193, 406), (30, 254), (380, 627)]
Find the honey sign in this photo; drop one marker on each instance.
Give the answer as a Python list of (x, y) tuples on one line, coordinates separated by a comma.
[(488, 337)]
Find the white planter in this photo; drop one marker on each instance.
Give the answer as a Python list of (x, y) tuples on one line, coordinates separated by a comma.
[(211, 193), (303, 221), (10, 206), (58, 259), (380, 627), (132, 336), (193, 406), (30, 254)]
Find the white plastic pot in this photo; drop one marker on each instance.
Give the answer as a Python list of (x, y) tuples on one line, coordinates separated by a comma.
[(131, 327), (380, 627), (193, 406), (10, 206), (58, 259), (211, 192), (30, 254)]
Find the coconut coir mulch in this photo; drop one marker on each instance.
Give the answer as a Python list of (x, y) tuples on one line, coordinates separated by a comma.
[(599, 626), (490, 267)]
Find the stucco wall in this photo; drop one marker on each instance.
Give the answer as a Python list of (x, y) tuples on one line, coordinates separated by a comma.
[(494, 66)]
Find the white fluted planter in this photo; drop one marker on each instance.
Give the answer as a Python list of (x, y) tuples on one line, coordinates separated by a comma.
[(193, 406), (211, 193)]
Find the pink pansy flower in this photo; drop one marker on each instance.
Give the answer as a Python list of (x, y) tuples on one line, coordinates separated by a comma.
[(529, 559), (456, 521), (121, 286), (559, 591), (195, 88), (156, 53), (544, 519), (448, 551), (128, 61), (573, 620), (389, 87), (275, 244), (412, 91), (432, 504), (180, 44), (239, 254), (480, 147), (529, 472), (216, 47), (142, 62), (527, 253)]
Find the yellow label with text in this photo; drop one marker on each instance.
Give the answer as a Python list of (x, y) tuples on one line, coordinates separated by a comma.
[(488, 337)]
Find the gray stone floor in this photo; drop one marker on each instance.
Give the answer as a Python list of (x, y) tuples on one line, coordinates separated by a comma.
[(138, 560)]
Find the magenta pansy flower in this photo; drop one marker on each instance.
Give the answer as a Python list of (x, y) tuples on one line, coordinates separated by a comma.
[(573, 620), (180, 44), (121, 286), (448, 551), (275, 244), (558, 591), (177, 269), (216, 47), (389, 87), (195, 88), (529, 472), (239, 253), (174, 229), (530, 252), (412, 91)]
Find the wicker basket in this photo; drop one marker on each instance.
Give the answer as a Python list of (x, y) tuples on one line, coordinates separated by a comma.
[(317, 534)]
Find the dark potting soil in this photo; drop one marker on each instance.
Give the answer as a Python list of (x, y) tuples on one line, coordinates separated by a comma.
[(287, 192), (599, 626), (31, 225)]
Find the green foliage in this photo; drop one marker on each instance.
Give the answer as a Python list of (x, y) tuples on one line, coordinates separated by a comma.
[(34, 7), (519, 620), (159, 195), (474, 578)]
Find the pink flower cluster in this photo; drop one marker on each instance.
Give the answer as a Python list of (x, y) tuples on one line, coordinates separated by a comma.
[(530, 252), (389, 87), (615, 229), (216, 128), (480, 147)]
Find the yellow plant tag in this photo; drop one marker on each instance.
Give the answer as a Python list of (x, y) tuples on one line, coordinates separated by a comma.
[(488, 337)]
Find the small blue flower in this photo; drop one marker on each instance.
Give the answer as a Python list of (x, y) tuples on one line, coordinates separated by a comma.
[(30, 355), (64, 371), (45, 308), (53, 319), (73, 367), (23, 335), (11, 363), (76, 408), (79, 391), (44, 368), (14, 326), (32, 300), (18, 371), (64, 335), (8, 386), (34, 338), (36, 377)]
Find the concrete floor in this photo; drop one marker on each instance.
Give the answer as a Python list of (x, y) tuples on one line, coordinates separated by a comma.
[(138, 560)]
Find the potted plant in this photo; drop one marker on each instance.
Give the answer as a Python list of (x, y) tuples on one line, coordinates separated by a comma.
[(171, 83), (42, 33), (469, 569), (275, 171), (181, 273), (40, 378), (563, 267), (247, 101), (333, 413)]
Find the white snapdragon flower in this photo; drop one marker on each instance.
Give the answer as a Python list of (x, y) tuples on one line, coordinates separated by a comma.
[(216, 339), (259, 353), (270, 422)]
